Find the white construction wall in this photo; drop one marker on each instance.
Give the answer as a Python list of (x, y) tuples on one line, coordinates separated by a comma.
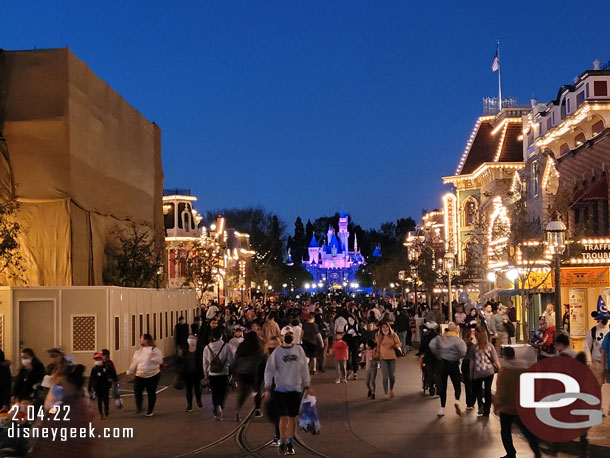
[(84, 320)]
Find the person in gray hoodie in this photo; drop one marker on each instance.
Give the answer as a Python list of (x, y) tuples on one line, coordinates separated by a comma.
[(449, 348), (217, 358), (287, 368)]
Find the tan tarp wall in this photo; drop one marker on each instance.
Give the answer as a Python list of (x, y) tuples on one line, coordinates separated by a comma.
[(82, 162)]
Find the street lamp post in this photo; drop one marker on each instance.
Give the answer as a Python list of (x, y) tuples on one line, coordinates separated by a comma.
[(266, 285), (556, 239), (449, 259)]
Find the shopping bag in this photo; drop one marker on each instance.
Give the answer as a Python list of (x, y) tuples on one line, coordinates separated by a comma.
[(116, 394), (308, 419)]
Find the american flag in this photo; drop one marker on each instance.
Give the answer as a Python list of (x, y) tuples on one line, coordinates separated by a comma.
[(495, 64)]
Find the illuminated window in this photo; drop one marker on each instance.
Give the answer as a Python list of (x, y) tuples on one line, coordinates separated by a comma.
[(564, 149), (168, 215), (470, 211), (580, 139), (598, 127), (535, 179)]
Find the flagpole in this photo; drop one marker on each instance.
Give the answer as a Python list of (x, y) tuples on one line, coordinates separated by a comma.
[(499, 79)]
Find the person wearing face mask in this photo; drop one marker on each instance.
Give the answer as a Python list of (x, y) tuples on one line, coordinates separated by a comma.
[(287, 368), (145, 365), (191, 372), (594, 339), (100, 381), (28, 379)]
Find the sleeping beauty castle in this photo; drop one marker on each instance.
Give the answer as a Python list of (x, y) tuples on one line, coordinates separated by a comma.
[(332, 263)]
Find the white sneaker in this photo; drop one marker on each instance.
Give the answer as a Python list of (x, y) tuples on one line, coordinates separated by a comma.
[(338, 380), (441, 413)]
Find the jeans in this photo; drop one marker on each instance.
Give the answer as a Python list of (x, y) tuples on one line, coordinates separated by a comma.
[(371, 375), (192, 381), (402, 336), (341, 369), (388, 367), (218, 385), (150, 384), (248, 383), (506, 423), (450, 369), (482, 389)]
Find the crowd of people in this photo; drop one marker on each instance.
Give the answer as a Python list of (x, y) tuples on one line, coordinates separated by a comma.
[(271, 352)]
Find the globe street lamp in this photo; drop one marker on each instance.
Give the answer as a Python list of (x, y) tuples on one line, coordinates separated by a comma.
[(556, 240), (449, 260)]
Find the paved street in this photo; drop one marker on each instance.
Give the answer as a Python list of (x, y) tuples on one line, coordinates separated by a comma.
[(352, 425)]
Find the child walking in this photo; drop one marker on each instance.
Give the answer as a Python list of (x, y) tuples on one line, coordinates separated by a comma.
[(370, 358), (340, 351), (100, 382)]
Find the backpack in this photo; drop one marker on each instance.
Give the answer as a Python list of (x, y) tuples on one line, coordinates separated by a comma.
[(217, 365)]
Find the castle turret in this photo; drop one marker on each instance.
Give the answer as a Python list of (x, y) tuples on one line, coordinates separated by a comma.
[(343, 233), (314, 250)]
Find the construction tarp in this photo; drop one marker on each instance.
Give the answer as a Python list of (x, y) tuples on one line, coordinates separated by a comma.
[(83, 164)]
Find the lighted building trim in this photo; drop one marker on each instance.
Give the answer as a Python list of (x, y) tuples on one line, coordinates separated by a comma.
[(501, 143), (179, 197), (571, 121), (470, 141)]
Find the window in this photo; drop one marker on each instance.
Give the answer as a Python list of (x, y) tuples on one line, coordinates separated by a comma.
[(117, 331), (580, 98), (172, 264), (549, 124), (166, 331), (563, 108), (535, 178), (148, 323), (154, 326), (600, 88), (587, 91), (580, 139), (552, 118), (181, 207), (597, 128), (168, 215), (141, 325), (564, 149), (172, 328), (133, 330), (470, 211)]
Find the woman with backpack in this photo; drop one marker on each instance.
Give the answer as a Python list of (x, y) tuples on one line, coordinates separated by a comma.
[(484, 363), (217, 358), (248, 358), (145, 364)]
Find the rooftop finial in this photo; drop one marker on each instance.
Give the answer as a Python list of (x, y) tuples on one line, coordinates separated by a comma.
[(596, 64)]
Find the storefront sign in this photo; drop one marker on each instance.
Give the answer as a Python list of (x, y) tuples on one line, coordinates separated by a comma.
[(585, 277), (595, 250), (578, 303), (450, 210)]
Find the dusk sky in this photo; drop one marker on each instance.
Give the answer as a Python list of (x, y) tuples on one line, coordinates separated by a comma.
[(305, 106)]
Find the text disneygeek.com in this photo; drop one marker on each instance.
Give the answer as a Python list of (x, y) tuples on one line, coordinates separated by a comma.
[(64, 433)]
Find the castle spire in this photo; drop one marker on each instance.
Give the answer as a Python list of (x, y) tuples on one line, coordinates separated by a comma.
[(355, 243)]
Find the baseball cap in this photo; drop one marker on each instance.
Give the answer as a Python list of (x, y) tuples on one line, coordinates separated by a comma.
[(286, 330), (98, 356)]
